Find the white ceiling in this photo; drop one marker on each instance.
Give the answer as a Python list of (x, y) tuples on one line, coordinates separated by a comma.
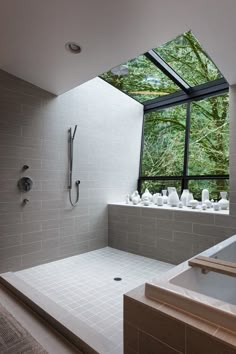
[(33, 34)]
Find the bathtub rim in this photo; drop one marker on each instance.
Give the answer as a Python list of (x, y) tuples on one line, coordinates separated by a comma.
[(211, 309)]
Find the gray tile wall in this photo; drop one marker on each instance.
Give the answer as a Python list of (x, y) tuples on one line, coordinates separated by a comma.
[(33, 131), (166, 235)]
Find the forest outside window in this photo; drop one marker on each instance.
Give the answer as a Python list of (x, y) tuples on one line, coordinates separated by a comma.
[(185, 140), (194, 158)]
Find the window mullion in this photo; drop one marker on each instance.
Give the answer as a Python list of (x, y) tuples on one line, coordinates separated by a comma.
[(186, 146)]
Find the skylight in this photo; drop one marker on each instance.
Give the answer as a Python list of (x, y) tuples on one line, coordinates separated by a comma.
[(145, 78), (140, 79), (186, 56)]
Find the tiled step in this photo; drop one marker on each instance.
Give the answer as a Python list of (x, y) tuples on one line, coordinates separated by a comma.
[(74, 330)]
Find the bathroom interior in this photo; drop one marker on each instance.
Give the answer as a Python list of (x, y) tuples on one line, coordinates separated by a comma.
[(118, 177)]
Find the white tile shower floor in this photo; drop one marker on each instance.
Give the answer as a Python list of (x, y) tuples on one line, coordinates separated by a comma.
[(84, 285)]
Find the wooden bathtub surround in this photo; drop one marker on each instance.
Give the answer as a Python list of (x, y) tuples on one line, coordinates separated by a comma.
[(155, 327), (212, 264)]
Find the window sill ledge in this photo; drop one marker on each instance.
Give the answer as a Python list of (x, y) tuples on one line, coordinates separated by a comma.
[(167, 207)]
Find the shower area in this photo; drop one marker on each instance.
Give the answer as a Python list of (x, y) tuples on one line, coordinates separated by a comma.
[(57, 249)]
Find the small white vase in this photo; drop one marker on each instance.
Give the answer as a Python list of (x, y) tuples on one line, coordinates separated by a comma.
[(147, 194), (184, 197), (165, 198), (160, 200), (135, 200), (135, 195), (224, 203), (216, 206), (155, 198), (208, 203), (190, 198), (194, 203), (146, 201), (205, 195), (169, 190), (173, 198)]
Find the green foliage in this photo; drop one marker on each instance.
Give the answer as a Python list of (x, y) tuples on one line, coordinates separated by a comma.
[(186, 56), (143, 81), (164, 136), (209, 137), (164, 130)]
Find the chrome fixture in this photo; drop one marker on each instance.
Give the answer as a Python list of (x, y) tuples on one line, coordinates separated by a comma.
[(73, 47), (77, 183), (25, 184), (25, 201)]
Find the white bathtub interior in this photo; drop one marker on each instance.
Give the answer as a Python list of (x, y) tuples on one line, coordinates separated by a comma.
[(215, 285), (227, 253)]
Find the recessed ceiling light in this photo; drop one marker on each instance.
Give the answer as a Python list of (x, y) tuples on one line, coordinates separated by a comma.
[(73, 47)]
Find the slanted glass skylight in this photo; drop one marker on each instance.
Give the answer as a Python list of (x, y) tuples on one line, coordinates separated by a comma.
[(140, 79), (187, 57), (145, 78)]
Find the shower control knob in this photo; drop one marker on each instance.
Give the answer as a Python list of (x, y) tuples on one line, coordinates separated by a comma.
[(25, 184)]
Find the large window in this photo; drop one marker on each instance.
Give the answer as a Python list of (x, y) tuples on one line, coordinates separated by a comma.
[(187, 146), (185, 140)]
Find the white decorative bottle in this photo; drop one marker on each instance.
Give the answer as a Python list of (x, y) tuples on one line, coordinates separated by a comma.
[(135, 196), (205, 195), (223, 202), (146, 195), (165, 198), (173, 198), (160, 200), (155, 198), (184, 197)]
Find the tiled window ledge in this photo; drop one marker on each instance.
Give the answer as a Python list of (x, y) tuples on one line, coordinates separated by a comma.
[(167, 207)]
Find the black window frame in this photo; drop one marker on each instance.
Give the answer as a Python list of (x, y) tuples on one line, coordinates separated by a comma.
[(197, 93)]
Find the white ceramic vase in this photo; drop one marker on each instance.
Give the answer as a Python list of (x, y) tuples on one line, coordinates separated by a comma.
[(147, 194), (136, 196), (194, 203), (184, 197), (208, 203), (223, 202), (135, 200), (205, 195), (160, 200), (146, 201), (155, 198), (173, 198), (165, 197)]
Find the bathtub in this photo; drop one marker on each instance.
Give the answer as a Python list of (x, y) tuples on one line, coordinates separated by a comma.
[(211, 296)]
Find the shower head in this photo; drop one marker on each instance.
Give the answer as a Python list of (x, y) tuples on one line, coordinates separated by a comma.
[(74, 132)]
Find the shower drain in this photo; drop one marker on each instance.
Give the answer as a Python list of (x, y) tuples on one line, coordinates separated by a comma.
[(117, 279)]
